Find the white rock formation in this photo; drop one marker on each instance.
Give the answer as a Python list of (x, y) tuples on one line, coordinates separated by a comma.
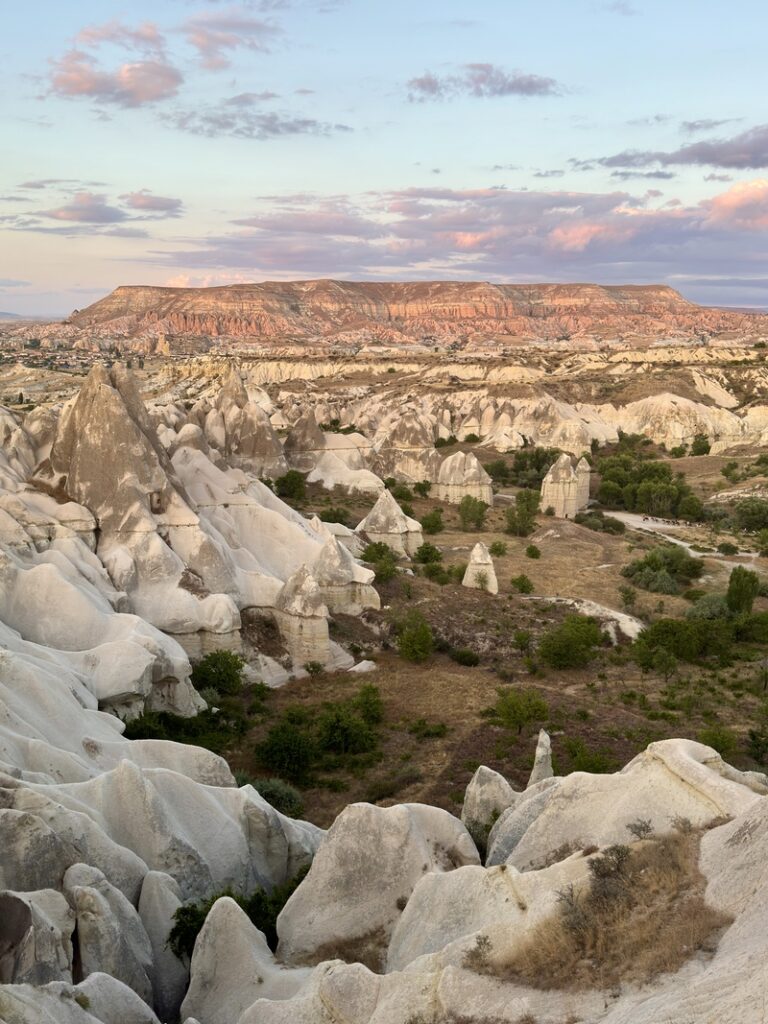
[(480, 573), (387, 523), (461, 474), (565, 489)]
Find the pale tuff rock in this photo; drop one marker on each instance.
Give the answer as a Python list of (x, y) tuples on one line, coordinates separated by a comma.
[(386, 522), (350, 893), (671, 778), (332, 471), (565, 489), (35, 937), (345, 585), (160, 899), (404, 447), (249, 438), (108, 1001), (232, 966), (305, 443), (542, 760), (461, 474), (302, 616), (480, 573), (485, 798), (110, 935)]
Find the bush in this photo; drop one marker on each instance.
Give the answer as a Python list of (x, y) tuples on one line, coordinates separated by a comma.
[(522, 584), (464, 656), (427, 553), (369, 704), (726, 548), (720, 739), (341, 731), (432, 522), (422, 488), (596, 762), (220, 671), (292, 485), (743, 588), (289, 749), (572, 643), (382, 558), (667, 569), (425, 730), (532, 551), (437, 573), (336, 515), (521, 519), (402, 493), (281, 795), (472, 439), (445, 442), (498, 549), (261, 907), (701, 445), (514, 709), (415, 642), (472, 512)]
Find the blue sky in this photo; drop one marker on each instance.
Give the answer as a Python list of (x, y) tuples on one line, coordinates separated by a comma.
[(194, 142)]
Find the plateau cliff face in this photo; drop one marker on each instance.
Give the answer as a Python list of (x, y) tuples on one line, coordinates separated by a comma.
[(442, 313)]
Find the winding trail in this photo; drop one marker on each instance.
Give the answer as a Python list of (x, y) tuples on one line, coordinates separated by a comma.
[(648, 525)]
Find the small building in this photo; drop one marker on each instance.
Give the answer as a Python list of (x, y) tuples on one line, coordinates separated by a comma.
[(565, 488)]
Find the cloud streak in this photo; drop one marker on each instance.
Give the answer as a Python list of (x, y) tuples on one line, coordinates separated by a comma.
[(480, 81)]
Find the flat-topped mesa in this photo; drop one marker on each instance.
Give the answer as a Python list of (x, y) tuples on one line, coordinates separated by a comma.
[(388, 524), (462, 474), (565, 489), (436, 312)]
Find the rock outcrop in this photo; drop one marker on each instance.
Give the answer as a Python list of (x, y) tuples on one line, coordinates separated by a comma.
[(387, 523), (565, 489), (480, 573), (461, 474)]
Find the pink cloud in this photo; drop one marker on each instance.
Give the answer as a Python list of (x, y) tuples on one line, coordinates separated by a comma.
[(215, 33), (133, 84), (86, 208), (743, 206)]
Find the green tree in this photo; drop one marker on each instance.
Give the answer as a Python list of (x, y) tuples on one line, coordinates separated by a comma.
[(743, 588), (665, 663), (432, 522), (514, 709), (572, 643), (291, 485), (415, 641), (426, 553), (472, 512), (521, 519), (701, 445), (289, 750), (219, 670)]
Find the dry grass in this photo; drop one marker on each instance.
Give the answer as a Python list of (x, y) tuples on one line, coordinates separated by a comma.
[(369, 949), (642, 914)]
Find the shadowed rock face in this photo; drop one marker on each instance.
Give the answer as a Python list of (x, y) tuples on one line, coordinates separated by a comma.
[(402, 312)]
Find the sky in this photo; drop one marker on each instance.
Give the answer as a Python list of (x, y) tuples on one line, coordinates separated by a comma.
[(203, 142)]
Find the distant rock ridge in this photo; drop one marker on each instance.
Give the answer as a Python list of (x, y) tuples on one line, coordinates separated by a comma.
[(457, 313)]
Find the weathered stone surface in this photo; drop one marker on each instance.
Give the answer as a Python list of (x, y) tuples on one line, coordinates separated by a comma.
[(480, 573)]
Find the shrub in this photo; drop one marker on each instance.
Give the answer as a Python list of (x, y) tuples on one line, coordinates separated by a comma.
[(572, 643), (522, 584), (422, 488), (336, 515), (444, 442), (261, 907), (427, 553), (514, 709), (292, 485), (437, 573), (701, 445), (289, 749), (341, 731), (727, 548), (596, 762), (415, 642), (432, 522), (522, 640), (720, 739), (464, 656), (402, 493), (666, 569), (709, 606), (281, 795), (382, 558), (220, 671), (472, 439), (472, 512), (498, 549), (369, 704), (532, 551), (521, 519), (743, 588), (425, 730)]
